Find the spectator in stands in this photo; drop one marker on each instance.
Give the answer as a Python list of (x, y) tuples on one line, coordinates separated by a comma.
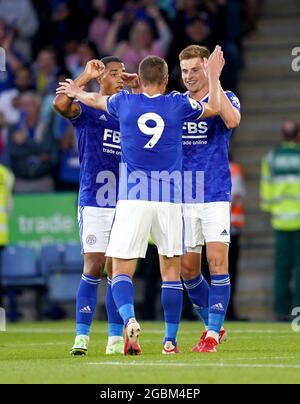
[(67, 173), (10, 99), (141, 41), (45, 72), (86, 51), (60, 22), (280, 196), (121, 22), (188, 9), (71, 55), (32, 148), (13, 61), (99, 26), (195, 31), (21, 17), (6, 187)]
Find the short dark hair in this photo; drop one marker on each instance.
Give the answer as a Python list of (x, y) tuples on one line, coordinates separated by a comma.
[(153, 70), (110, 59)]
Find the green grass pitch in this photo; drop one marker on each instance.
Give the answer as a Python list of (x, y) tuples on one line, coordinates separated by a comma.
[(254, 353)]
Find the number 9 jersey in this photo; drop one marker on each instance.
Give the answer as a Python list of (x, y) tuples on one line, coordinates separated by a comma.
[(151, 130)]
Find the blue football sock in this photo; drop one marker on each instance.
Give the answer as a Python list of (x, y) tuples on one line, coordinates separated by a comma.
[(198, 292), (123, 294), (115, 321), (171, 299), (86, 303), (218, 301)]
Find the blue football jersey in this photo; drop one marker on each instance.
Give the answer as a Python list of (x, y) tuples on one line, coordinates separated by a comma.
[(205, 148), (98, 135), (151, 130)]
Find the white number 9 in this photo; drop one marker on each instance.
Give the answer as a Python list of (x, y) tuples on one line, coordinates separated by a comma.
[(155, 132)]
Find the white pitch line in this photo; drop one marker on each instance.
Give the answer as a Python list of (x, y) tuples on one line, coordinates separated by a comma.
[(39, 331), (202, 365), (24, 344), (260, 331)]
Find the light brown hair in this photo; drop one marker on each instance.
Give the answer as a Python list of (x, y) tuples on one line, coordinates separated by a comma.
[(194, 51)]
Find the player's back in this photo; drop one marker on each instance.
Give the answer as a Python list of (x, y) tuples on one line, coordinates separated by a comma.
[(151, 128)]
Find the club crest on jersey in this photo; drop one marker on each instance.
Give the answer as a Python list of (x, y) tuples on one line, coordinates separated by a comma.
[(235, 101), (91, 239), (194, 104)]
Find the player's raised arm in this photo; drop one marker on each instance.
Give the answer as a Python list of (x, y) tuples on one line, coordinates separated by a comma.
[(214, 66), (67, 106), (72, 90), (230, 110)]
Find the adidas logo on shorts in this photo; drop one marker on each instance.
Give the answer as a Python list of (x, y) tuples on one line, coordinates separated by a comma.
[(224, 233)]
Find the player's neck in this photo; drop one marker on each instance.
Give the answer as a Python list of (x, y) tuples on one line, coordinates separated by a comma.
[(200, 94), (152, 90)]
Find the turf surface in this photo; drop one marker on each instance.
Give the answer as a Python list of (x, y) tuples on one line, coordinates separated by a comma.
[(254, 353)]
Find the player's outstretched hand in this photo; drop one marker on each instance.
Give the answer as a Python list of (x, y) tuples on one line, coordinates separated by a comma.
[(215, 62), (94, 69), (69, 88), (131, 80)]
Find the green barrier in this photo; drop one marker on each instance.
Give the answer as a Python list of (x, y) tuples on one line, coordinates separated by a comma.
[(38, 219)]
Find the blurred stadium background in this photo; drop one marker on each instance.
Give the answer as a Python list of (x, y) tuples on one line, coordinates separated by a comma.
[(51, 39)]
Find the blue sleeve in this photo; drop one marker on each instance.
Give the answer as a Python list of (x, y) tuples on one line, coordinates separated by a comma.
[(113, 103), (81, 118), (233, 99), (192, 109)]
